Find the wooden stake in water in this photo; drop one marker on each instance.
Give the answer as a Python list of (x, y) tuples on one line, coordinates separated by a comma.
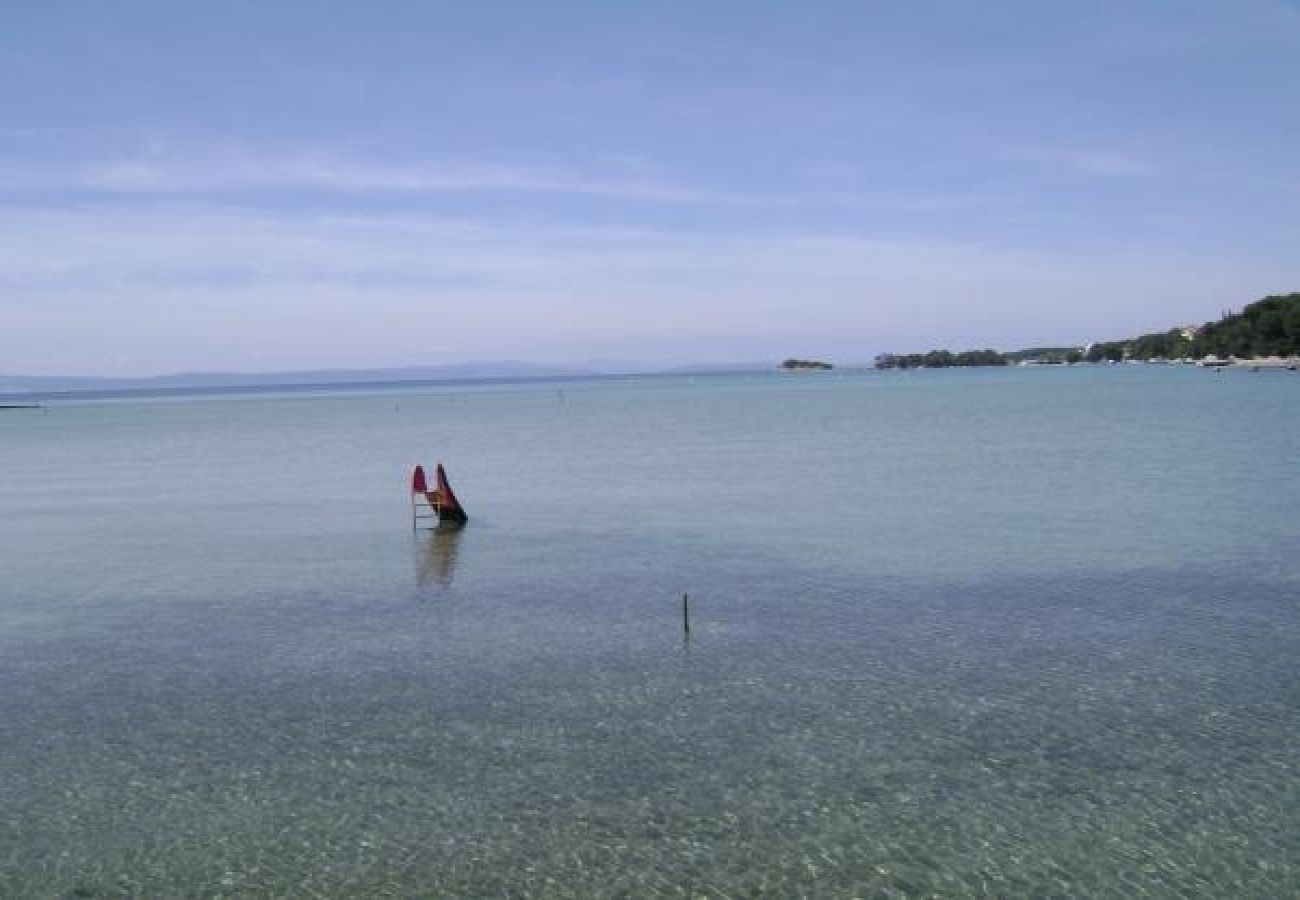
[(686, 616)]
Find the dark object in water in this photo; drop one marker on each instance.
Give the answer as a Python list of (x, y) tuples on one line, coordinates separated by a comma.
[(450, 509), (441, 500)]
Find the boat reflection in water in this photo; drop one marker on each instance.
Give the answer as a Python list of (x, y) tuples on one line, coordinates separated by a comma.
[(436, 548)]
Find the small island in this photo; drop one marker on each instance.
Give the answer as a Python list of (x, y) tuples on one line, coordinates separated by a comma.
[(940, 359), (804, 365)]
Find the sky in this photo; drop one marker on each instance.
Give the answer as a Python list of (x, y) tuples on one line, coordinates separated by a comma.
[(260, 186)]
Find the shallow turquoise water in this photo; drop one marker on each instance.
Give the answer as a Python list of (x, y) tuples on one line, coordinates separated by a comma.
[(954, 633)]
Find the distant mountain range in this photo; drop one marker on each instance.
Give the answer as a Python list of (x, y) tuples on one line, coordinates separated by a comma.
[(40, 384)]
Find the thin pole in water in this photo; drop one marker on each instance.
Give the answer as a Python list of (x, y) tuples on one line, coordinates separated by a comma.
[(686, 616)]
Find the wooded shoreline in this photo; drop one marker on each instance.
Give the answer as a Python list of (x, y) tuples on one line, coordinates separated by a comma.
[(1265, 333)]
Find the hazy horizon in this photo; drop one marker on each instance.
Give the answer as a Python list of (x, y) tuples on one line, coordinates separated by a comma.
[(493, 368), (348, 186)]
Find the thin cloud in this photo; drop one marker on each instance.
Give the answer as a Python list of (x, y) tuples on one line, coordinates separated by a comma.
[(240, 173), (186, 243), (246, 176), (218, 281), (1102, 162)]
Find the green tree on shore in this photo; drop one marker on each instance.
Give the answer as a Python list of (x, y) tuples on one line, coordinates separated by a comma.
[(1267, 327)]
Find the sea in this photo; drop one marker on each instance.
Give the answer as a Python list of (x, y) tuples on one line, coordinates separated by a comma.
[(1028, 632)]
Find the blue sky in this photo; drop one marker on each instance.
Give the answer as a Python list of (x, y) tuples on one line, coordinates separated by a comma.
[(258, 186)]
